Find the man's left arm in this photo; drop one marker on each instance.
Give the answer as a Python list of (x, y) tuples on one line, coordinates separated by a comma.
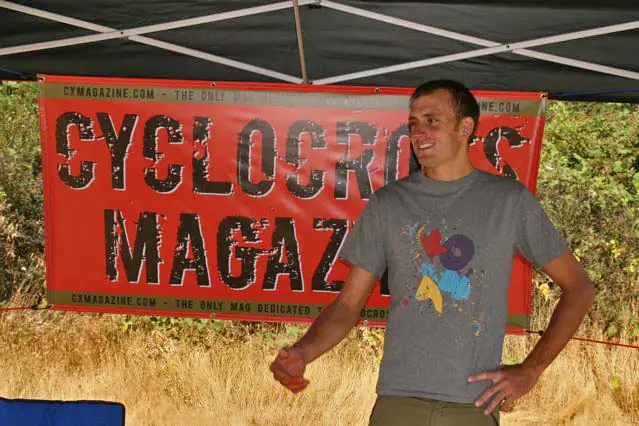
[(577, 296)]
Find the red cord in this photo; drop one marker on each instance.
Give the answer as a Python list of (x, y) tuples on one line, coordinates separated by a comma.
[(590, 340), (606, 343), (540, 332)]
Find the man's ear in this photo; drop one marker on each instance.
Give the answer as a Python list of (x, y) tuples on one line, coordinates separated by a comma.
[(467, 125)]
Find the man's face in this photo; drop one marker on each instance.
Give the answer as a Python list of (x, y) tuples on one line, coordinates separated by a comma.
[(435, 134)]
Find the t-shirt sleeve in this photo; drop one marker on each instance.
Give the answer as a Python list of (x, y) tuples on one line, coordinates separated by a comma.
[(364, 246), (537, 239)]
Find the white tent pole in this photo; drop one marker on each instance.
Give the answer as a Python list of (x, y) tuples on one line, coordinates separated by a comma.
[(576, 35), (590, 66), (46, 45), (300, 41), (53, 16), (475, 54), (217, 59), (407, 24), (112, 34), (156, 43), (411, 65), (627, 26), (159, 27), (519, 48)]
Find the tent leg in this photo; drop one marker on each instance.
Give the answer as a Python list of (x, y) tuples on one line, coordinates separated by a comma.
[(300, 41)]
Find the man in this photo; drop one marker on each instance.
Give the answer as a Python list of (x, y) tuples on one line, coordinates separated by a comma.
[(447, 235)]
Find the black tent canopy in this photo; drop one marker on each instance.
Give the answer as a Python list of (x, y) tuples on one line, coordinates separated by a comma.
[(575, 50)]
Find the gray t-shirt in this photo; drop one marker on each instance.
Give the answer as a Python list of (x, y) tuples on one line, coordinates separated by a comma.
[(449, 249)]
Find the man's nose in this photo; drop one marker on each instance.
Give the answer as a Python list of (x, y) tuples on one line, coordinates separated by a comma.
[(418, 130)]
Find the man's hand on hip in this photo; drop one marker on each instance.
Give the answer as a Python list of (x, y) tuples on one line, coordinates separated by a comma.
[(509, 383), (288, 369)]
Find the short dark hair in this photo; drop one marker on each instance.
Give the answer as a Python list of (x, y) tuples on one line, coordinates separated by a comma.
[(464, 103)]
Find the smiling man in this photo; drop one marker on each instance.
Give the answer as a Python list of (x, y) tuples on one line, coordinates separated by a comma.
[(447, 235)]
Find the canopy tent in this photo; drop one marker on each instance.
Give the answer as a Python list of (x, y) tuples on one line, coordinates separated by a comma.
[(575, 50)]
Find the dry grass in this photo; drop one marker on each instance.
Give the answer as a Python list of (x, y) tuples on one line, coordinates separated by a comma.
[(178, 375), (588, 384), (578, 388)]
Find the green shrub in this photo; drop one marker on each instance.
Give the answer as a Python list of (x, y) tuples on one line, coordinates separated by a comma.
[(21, 213), (589, 185)]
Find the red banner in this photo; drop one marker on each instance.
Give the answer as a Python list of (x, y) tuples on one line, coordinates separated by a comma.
[(233, 199)]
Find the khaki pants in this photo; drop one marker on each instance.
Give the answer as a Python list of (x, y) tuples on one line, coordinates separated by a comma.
[(409, 411)]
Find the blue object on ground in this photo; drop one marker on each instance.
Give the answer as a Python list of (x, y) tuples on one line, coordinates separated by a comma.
[(26, 412)]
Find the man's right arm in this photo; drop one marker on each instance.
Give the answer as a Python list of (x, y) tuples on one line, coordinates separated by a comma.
[(330, 327)]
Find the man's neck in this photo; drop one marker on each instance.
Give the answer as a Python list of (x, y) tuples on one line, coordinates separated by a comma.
[(449, 172)]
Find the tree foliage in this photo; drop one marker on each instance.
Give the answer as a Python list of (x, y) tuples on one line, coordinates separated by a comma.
[(589, 185), (21, 213)]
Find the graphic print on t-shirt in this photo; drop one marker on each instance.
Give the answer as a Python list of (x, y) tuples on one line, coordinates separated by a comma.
[(443, 265)]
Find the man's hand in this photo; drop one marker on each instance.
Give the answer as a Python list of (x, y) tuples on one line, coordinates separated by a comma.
[(288, 369), (577, 295), (328, 329), (509, 383)]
